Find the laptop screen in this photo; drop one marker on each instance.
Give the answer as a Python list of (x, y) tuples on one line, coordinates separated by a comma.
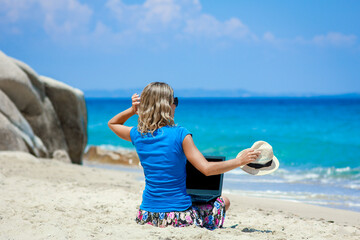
[(196, 180)]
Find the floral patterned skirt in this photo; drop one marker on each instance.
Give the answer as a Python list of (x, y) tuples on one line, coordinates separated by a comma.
[(209, 215)]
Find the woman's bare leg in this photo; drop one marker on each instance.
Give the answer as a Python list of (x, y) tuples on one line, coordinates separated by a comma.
[(227, 202)]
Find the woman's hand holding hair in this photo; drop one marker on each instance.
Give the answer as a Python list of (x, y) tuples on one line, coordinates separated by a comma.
[(116, 124), (135, 102)]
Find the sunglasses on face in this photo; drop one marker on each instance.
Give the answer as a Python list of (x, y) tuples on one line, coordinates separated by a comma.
[(176, 101)]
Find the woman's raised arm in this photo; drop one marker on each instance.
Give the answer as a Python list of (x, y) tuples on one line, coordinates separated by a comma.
[(116, 124), (196, 158)]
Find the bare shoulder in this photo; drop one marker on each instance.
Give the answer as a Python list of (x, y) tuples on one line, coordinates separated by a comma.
[(188, 141), (189, 146)]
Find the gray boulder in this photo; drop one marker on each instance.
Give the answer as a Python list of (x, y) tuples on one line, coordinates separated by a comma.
[(40, 115), (17, 86), (121, 156), (11, 138), (69, 105), (20, 127), (62, 156), (48, 128), (33, 77)]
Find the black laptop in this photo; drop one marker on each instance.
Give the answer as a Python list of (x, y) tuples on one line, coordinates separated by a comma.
[(203, 188)]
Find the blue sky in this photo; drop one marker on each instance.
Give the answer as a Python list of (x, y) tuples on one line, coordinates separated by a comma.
[(260, 46)]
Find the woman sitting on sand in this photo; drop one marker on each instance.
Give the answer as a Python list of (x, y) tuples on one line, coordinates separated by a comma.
[(163, 148)]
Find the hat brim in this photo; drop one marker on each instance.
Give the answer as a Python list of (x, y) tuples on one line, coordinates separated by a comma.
[(261, 171)]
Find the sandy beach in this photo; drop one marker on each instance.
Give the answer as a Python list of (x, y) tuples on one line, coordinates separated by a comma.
[(50, 199)]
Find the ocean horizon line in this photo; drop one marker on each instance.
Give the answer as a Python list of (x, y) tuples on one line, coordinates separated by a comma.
[(204, 93), (240, 97)]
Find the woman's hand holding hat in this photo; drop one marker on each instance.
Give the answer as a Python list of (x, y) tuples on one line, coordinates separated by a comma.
[(264, 164), (249, 155)]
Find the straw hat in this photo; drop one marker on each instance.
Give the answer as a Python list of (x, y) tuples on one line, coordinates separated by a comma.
[(266, 162)]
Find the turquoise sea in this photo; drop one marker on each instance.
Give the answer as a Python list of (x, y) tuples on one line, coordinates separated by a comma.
[(317, 141)]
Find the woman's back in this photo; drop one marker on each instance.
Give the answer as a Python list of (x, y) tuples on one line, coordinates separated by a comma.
[(163, 155), (164, 163)]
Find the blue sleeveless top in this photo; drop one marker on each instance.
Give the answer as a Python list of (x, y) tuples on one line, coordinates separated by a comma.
[(164, 162)]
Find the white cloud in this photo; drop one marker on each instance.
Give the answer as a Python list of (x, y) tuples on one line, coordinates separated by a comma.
[(268, 36), (235, 28), (65, 17), (162, 11), (335, 39), (152, 16), (13, 10), (331, 39), (154, 21), (183, 16), (208, 26), (203, 25), (56, 17)]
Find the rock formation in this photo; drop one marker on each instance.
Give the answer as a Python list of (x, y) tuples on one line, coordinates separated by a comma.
[(123, 157), (38, 114)]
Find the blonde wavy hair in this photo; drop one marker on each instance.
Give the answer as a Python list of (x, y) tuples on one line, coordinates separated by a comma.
[(154, 110)]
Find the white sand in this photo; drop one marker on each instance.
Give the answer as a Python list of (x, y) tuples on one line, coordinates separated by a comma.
[(49, 199)]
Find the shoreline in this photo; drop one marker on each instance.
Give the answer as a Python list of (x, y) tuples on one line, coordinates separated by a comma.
[(303, 210), (51, 199), (248, 186)]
